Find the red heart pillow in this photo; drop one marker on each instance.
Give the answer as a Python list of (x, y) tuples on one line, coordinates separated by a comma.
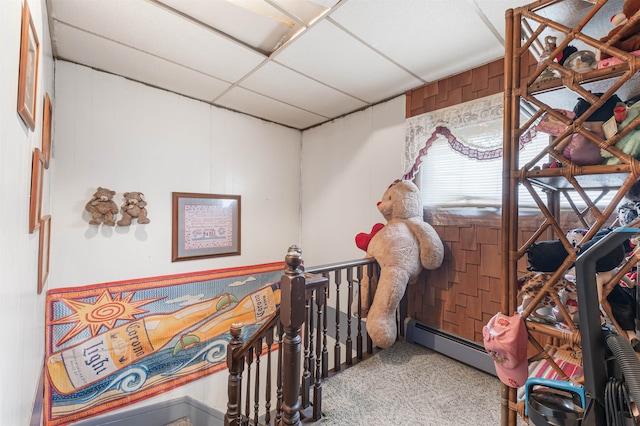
[(362, 239)]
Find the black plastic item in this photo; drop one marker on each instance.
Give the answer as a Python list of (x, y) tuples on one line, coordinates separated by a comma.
[(603, 113), (554, 407), (591, 333)]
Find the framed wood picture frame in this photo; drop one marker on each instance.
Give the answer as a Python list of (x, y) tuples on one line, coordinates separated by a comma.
[(47, 116), (35, 203), (28, 71), (205, 225), (44, 251)]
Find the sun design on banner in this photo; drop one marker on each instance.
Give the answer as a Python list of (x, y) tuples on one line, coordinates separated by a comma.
[(104, 312)]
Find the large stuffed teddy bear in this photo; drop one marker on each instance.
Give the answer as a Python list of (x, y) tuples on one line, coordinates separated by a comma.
[(102, 207), (402, 247)]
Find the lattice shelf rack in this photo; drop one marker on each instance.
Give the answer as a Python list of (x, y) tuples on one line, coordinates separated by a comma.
[(580, 23)]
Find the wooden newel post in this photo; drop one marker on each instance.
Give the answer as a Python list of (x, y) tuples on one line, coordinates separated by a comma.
[(292, 311), (235, 376)]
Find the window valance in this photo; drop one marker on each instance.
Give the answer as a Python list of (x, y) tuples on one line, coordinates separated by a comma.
[(473, 129)]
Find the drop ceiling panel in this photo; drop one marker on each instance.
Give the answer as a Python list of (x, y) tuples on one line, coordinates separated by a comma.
[(495, 11), (422, 36), (156, 31), (359, 53), (267, 24), (240, 99), (276, 81), (83, 48), (328, 54)]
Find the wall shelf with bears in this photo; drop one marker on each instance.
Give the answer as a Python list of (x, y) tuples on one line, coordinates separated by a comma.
[(568, 188)]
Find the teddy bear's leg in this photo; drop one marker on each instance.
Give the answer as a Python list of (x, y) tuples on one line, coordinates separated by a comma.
[(96, 218), (108, 219), (142, 217), (126, 219), (361, 297), (381, 320)]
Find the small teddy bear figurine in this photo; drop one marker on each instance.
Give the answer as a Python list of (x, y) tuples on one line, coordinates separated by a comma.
[(102, 207), (133, 208)]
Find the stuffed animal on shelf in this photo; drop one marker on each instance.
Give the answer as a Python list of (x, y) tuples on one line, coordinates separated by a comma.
[(617, 300), (402, 247), (629, 35), (102, 207), (133, 208)]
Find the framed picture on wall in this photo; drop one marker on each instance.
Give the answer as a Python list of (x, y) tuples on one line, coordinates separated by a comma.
[(35, 204), (205, 225), (44, 251), (28, 71), (46, 130)]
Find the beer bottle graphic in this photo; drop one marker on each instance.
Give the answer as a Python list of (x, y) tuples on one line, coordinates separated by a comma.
[(262, 304), (96, 358)]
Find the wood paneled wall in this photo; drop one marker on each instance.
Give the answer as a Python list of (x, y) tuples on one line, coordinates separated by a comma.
[(464, 293), (476, 83)]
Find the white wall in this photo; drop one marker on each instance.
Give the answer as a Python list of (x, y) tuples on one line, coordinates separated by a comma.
[(125, 136), (112, 132), (346, 167), (22, 312)]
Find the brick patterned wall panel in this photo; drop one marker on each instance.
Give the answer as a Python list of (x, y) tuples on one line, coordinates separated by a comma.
[(480, 78), (464, 293), (476, 83), (487, 235), (483, 282), (458, 257), (468, 237), (490, 260), (451, 234), (473, 257), (469, 283), (461, 295)]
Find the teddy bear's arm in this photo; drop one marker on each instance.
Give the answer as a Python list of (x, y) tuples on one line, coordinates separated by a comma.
[(431, 248), (113, 207)]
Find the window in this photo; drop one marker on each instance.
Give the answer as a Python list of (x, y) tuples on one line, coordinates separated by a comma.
[(460, 157), (451, 179)]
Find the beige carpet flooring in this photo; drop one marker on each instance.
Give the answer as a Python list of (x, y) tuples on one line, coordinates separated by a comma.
[(409, 384)]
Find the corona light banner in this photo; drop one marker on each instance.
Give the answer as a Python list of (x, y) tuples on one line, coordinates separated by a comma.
[(111, 345)]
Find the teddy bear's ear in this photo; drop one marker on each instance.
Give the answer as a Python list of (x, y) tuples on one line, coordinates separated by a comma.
[(141, 196), (125, 195)]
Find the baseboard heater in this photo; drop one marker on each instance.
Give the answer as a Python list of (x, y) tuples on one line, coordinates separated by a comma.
[(455, 347)]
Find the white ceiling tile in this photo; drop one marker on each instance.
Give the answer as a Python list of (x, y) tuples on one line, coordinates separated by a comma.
[(495, 11), (154, 30), (446, 32), (83, 48), (267, 26), (328, 54), (277, 82), (240, 99), (363, 52)]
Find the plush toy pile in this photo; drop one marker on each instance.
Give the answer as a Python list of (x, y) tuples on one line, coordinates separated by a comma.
[(402, 247)]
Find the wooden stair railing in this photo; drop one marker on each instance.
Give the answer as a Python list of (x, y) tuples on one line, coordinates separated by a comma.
[(297, 337)]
